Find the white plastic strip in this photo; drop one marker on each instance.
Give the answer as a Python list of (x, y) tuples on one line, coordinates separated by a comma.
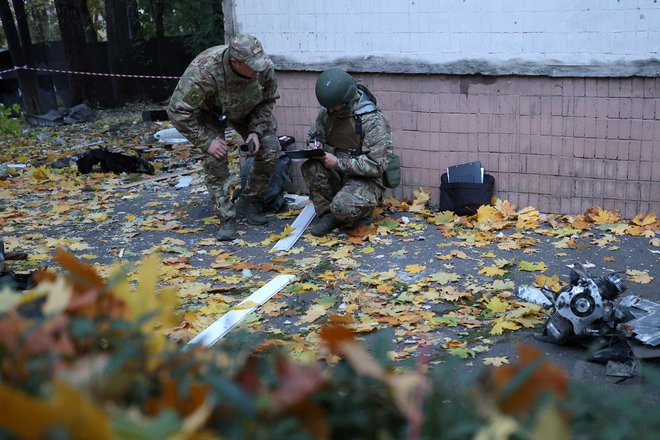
[(229, 320), (299, 225)]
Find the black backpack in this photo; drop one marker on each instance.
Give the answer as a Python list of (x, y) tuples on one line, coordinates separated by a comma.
[(274, 199)]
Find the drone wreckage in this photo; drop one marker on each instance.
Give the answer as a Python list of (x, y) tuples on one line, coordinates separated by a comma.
[(592, 312)]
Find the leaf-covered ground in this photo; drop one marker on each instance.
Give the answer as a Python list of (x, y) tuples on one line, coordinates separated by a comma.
[(441, 284)]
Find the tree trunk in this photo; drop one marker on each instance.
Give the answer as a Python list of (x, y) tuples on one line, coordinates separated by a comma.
[(133, 21), (27, 81), (221, 19), (159, 12), (23, 30), (46, 94), (40, 21), (75, 50), (88, 24), (119, 46)]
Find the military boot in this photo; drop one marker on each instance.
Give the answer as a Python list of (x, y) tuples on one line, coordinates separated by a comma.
[(325, 225), (250, 211), (227, 231)]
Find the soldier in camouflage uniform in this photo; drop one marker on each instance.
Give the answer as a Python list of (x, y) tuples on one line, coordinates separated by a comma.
[(236, 81), (346, 184)]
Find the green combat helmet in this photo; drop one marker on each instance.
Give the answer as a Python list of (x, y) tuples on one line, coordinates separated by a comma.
[(335, 87)]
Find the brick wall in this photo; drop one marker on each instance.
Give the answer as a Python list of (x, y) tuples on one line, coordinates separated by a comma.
[(561, 145)]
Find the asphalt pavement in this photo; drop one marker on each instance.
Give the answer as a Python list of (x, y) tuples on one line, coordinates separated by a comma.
[(414, 241), (410, 277)]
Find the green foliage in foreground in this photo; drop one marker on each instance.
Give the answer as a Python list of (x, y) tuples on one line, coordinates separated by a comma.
[(77, 357)]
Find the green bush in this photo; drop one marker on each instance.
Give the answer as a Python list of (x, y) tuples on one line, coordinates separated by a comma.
[(10, 119)]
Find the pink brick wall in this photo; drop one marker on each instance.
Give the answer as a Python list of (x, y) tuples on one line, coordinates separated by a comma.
[(561, 145)]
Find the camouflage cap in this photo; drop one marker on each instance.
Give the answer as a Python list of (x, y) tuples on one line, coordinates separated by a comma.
[(248, 49)]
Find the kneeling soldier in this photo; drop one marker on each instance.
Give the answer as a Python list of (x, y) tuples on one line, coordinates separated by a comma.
[(346, 184)]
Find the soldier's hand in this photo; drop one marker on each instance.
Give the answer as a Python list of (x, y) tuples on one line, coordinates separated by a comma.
[(217, 149), (255, 138), (329, 161)]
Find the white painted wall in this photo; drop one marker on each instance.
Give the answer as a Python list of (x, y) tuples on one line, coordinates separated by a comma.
[(445, 32)]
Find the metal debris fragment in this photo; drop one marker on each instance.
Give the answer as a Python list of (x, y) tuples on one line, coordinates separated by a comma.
[(591, 310)]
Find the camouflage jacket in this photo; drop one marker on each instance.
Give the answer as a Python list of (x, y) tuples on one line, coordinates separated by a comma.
[(210, 88), (376, 140)]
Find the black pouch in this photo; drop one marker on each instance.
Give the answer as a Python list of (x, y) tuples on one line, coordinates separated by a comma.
[(464, 198)]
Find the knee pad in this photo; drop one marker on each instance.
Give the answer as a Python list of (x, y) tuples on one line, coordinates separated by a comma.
[(345, 211)]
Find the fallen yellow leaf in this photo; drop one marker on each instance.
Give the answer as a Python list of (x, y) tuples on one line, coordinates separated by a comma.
[(501, 325), (642, 220), (487, 213), (532, 267), (496, 305), (414, 268), (314, 313), (601, 216), (245, 306), (552, 282), (496, 361), (638, 276), (385, 288), (492, 271), (528, 218)]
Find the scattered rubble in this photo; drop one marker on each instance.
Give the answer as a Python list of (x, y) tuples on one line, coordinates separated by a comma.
[(73, 115)]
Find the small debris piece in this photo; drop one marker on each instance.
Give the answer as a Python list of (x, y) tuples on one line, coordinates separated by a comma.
[(232, 318)]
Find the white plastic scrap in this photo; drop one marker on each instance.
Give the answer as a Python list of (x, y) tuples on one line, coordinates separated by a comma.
[(184, 182), (170, 136)]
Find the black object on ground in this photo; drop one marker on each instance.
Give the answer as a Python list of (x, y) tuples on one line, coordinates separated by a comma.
[(465, 198), (274, 198), (154, 115), (9, 277), (113, 162)]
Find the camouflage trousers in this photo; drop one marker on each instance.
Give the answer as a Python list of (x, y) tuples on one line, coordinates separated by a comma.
[(222, 180), (349, 198)]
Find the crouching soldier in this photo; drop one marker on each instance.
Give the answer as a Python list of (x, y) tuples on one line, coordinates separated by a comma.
[(346, 184), (236, 81)]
